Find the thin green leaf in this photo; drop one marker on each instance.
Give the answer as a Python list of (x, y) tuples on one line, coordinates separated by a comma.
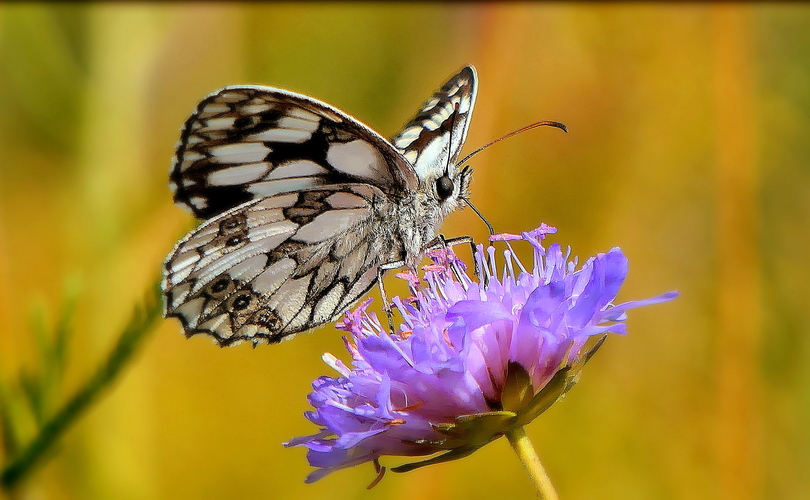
[(518, 389), (31, 386), (444, 457), (63, 329), (8, 427), (549, 395), (128, 342)]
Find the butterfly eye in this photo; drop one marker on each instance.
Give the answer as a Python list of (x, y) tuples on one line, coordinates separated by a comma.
[(444, 187)]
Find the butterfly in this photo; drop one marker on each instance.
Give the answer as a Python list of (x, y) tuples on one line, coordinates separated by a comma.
[(304, 206)]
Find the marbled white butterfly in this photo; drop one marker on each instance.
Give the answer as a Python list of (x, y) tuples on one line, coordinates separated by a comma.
[(303, 206)]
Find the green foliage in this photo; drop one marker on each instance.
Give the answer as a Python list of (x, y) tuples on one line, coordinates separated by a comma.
[(37, 390)]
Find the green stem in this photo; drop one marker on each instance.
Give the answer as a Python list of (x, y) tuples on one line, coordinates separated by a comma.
[(53, 428), (531, 462)]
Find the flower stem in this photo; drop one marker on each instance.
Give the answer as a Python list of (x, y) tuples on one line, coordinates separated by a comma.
[(531, 462)]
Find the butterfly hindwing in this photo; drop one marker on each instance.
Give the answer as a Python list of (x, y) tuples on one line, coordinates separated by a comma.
[(279, 265), (248, 142)]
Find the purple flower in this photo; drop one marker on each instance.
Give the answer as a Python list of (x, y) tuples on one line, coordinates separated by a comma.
[(471, 361)]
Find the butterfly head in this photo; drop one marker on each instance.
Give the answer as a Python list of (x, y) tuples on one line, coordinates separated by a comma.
[(432, 140)]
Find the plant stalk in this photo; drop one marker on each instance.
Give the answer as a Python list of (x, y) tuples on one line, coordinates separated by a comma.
[(531, 463)]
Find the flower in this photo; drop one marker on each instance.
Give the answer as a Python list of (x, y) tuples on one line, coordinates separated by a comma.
[(470, 362)]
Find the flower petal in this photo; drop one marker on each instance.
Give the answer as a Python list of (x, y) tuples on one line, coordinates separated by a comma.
[(471, 360)]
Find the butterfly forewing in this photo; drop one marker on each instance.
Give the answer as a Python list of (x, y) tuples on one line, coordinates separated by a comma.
[(303, 204), (248, 142), (434, 137)]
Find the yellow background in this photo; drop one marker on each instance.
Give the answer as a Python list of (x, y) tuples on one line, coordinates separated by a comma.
[(688, 147)]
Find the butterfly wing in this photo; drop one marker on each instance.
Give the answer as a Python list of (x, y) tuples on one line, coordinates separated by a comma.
[(433, 139), (279, 265), (249, 142), (300, 200)]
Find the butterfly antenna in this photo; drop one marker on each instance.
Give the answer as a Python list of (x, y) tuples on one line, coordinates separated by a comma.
[(480, 216), (515, 132)]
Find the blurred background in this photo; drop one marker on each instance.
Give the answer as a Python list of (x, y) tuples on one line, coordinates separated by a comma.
[(689, 148)]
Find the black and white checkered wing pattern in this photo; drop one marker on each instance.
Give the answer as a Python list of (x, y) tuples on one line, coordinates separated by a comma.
[(433, 139), (249, 142), (276, 266), (302, 205)]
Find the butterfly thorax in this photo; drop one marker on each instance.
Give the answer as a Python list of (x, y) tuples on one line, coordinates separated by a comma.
[(422, 212), (417, 223)]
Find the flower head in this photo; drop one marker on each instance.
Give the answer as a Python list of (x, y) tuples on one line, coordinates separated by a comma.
[(470, 360)]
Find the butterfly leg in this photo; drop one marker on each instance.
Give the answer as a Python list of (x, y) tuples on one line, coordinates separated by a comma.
[(442, 242), (386, 306)]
